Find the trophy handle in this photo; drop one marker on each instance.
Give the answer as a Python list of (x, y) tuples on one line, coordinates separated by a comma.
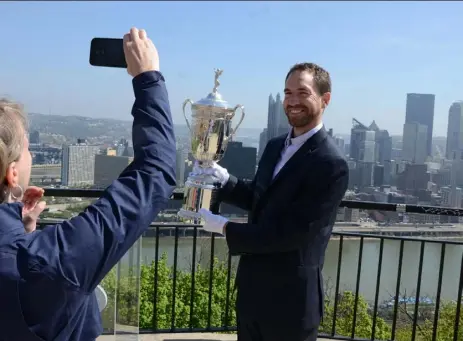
[(184, 113), (239, 106)]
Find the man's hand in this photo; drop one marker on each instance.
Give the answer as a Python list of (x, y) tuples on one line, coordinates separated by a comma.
[(32, 208), (212, 222), (218, 172), (140, 53)]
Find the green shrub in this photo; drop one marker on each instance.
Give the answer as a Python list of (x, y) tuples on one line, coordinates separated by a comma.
[(164, 299), (345, 318)]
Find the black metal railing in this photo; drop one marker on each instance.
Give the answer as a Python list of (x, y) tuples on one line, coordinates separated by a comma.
[(196, 295)]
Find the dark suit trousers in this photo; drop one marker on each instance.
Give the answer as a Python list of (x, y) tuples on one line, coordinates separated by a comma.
[(255, 330)]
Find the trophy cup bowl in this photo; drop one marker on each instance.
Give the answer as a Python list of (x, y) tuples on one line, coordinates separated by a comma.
[(210, 129)]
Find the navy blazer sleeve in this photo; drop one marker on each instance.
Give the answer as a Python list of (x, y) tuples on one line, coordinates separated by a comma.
[(82, 250), (300, 220), (238, 193)]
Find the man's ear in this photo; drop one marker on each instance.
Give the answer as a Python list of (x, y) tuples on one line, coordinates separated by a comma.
[(326, 98), (12, 175)]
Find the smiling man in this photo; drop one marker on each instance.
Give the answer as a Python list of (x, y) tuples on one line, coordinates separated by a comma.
[(292, 205)]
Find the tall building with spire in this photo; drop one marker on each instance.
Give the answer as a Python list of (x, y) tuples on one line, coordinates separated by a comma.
[(370, 153), (277, 122), (455, 131)]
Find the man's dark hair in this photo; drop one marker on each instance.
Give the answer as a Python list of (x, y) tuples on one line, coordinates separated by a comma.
[(321, 77)]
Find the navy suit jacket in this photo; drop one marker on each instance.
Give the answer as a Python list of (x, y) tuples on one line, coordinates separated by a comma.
[(48, 277), (282, 247)]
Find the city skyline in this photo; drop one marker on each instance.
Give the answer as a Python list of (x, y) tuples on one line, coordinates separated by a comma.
[(254, 129), (379, 168), (372, 70)]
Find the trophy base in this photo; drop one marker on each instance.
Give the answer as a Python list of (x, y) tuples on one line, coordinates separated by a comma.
[(200, 192)]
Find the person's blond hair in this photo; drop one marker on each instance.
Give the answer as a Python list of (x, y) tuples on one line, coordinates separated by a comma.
[(13, 126)]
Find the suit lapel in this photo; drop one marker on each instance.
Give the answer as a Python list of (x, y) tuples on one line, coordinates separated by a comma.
[(306, 149), (270, 162)]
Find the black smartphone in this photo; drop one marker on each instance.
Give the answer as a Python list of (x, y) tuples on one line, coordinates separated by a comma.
[(107, 52)]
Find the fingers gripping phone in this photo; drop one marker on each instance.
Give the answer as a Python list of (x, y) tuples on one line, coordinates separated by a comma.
[(107, 52)]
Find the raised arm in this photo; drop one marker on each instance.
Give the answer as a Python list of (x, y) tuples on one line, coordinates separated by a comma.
[(82, 250)]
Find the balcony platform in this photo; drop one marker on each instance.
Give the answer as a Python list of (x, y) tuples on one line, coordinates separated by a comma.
[(175, 337), (375, 248)]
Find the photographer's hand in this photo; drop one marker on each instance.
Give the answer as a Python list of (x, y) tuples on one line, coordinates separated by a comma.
[(33, 206), (140, 53)]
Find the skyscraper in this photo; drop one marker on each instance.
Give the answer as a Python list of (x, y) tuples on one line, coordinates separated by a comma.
[(383, 151), (420, 109), (240, 161), (455, 130), (262, 143), (283, 126), (78, 164), (370, 147), (108, 168), (271, 118), (180, 166), (277, 122), (415, 143), (34, 137), (369, 144)]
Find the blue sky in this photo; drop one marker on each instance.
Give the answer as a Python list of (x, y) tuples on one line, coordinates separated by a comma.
[(376, 52)]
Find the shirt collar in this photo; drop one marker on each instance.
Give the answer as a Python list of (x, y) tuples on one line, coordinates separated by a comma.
[(301, 139)]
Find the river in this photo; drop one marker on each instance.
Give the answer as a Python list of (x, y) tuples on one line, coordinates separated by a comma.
[(371, 251)]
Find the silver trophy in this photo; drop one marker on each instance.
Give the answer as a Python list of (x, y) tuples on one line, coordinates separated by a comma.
[(210, 129)]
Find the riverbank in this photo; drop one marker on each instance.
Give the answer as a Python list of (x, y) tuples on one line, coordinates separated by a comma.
[(333, 237), (429, 231), (441, 233)]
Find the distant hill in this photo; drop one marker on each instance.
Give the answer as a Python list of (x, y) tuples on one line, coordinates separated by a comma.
[(74, 127)]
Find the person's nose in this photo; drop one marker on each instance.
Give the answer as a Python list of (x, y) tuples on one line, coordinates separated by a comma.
[(292, 101)]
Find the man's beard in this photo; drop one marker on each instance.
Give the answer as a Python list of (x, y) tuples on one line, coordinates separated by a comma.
[(300, 120)]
